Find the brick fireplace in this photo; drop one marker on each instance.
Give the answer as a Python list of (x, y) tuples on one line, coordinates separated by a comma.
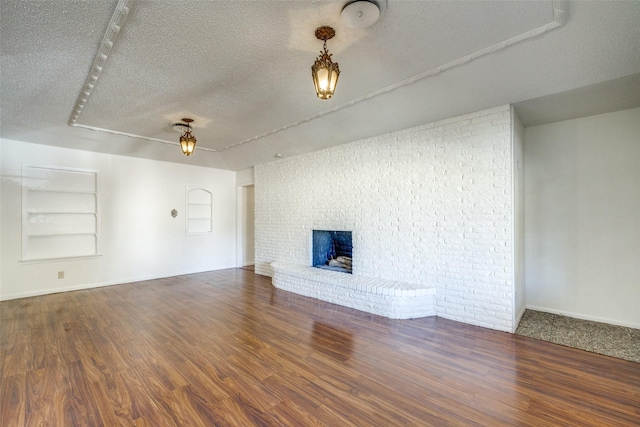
[(332, 250), (430, 207)]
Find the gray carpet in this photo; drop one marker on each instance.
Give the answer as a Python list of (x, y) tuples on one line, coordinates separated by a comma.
[(602, 338)]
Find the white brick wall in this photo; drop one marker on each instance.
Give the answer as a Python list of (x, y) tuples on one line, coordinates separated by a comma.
[(430, 205)]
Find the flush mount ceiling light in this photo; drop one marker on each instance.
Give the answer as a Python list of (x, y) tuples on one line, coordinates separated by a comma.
[(187, 140), (362, 13), (325, 73)]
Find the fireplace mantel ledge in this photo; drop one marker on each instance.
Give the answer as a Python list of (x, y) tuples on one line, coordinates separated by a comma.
[(389, 298)]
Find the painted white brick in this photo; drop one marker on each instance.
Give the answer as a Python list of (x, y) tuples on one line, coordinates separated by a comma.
[(383, 297), (430, 205)]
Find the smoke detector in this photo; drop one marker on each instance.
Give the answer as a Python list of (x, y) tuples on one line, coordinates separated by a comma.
[(362, 13)]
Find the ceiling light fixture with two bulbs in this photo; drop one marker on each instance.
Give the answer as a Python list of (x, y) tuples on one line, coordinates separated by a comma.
[(187, 140)]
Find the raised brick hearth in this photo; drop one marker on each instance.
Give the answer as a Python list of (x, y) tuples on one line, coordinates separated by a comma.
[(396, 300)]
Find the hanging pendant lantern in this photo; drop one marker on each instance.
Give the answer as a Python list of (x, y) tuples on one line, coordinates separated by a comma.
[(187, 140), (325, 72)]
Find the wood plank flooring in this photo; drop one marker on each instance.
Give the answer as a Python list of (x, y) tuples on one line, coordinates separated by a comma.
[(226, 348)]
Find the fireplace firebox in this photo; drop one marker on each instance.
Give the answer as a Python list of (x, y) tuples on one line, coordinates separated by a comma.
[(332, 250)]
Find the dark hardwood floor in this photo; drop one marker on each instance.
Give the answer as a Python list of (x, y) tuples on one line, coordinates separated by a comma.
[(226, 348)]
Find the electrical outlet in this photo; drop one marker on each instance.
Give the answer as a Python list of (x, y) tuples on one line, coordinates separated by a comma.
[(60, 274)]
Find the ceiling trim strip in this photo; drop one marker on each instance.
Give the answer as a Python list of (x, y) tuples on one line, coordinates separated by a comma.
[(123, 7), (559, 19), (133, 135), (111, 34)]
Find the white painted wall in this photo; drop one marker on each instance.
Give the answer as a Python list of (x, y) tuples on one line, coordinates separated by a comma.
[(244, 177), (428, 205), (244, 218), (583, 217), (2, 207), (519, 235), (139, 238), (248, 219)]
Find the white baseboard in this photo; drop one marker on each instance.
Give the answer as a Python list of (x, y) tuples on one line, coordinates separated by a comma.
[(95, 285), (519, 317), (585, 317)]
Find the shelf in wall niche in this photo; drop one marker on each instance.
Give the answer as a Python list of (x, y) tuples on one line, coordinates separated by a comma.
[(58, 259), (62, 246), (199, 206), (38, 190), (61, 223), (60, 213), (60, 234), (39, 212)]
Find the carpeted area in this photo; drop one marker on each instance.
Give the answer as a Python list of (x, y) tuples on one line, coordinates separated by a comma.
[(602, 338)]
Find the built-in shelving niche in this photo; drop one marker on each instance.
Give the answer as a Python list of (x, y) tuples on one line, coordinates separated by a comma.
[(199, 210), (59, 213)]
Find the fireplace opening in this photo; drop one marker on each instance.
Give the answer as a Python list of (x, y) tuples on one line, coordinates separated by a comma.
[(332, 250)]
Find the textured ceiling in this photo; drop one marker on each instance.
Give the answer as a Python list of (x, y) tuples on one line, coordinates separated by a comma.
[(241, 69)]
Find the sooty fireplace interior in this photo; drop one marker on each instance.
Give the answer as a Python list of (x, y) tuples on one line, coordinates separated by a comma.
[(332, 250)]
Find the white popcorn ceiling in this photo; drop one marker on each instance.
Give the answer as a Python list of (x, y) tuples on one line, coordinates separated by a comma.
[(241, 69)]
